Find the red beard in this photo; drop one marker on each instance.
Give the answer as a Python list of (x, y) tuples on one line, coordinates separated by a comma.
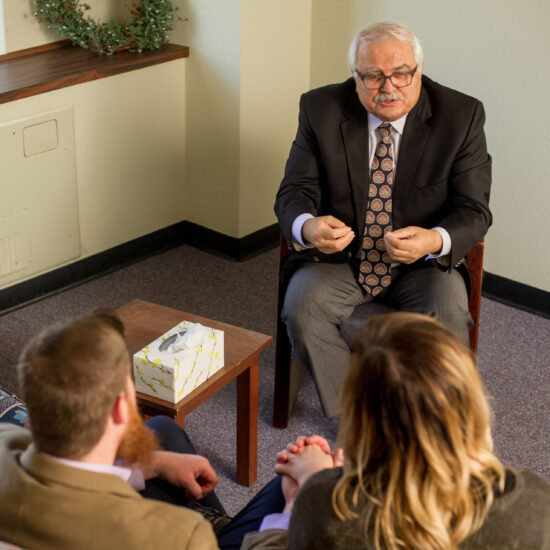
[(139, 442)]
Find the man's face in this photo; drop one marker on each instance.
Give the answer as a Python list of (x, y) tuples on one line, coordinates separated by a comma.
[(387, 57)]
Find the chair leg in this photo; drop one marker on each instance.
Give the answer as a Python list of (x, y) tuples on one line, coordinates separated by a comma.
[(474, 263), (281, 394)]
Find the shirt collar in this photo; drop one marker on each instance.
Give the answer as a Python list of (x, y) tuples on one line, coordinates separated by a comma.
[(120, 471), (398, 125)]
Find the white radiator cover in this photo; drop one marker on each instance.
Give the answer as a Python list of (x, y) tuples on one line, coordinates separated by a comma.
[(39, 226)]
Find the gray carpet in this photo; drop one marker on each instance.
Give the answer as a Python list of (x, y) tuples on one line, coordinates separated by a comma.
[(513, 357)]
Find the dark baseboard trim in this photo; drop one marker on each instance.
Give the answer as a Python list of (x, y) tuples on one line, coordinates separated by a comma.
[(232, 247), (516, 294), (93, 266), (107, 261)]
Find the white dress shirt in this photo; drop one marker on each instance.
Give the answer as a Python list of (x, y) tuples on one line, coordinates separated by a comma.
[(132, 474)]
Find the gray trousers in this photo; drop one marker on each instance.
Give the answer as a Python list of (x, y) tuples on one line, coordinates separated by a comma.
[(321, 296)]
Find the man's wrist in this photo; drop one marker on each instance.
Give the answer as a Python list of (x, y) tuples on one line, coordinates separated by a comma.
[(297, 226), (438, 243), (155, 467), (445, 244), (288, 507)]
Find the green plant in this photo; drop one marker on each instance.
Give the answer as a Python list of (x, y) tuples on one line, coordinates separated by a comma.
[(146, 29)]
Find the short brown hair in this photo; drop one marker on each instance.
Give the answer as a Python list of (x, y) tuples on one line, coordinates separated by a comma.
[(70, 377)]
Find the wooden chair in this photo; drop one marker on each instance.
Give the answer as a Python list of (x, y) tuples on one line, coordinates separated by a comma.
[(288, 374)]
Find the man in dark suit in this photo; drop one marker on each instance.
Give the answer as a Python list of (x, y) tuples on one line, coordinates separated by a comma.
[(385, 191)]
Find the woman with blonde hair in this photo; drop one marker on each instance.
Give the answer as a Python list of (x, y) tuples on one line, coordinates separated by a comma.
[(419, 470)]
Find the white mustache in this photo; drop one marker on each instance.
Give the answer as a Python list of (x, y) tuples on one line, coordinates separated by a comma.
[(384, 96)]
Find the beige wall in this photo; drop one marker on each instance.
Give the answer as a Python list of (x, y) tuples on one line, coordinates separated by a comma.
[(249, 62), (275, 59), (22, 29), (130, 146), (228, 132), (130, 151), (493, 50), (212, 105), (205, 139), (331, 34)]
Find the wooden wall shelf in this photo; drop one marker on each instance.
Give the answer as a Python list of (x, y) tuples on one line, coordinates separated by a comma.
[(53, 66)]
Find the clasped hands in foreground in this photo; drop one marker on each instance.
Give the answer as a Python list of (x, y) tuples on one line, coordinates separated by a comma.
[(406, 245), (296, 464), (300, 460)]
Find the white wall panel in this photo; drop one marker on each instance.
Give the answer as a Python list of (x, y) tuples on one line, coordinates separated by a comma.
[(38, 194)]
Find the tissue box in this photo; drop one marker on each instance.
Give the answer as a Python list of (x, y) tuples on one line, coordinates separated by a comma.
[(176, 363)]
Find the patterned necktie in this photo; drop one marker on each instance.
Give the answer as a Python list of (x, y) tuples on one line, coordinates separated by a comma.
[(375, 267)]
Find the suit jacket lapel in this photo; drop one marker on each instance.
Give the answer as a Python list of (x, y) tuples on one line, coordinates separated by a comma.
[(414, 137), (355, 135)]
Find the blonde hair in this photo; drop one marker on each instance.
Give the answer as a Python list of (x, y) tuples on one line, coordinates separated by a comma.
[(415, 429)]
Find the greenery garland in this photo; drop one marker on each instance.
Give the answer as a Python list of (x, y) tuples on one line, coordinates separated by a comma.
[(146, 30)]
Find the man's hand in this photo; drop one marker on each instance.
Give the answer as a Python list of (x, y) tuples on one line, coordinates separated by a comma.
[(408, 244), (191, 472), (327, 234)]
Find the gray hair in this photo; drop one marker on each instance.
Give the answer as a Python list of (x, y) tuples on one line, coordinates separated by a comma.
[(383, 31)]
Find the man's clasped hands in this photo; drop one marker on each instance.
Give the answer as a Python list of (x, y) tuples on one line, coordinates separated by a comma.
[(300, 460)]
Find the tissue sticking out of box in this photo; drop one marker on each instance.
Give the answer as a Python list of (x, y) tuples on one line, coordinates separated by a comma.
[(186, 339), (176, 363)]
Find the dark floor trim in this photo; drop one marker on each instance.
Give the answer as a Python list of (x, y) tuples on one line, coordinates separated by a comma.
[(232, 247), (495, 287), (104, 262), (93, 266), (516, 294)]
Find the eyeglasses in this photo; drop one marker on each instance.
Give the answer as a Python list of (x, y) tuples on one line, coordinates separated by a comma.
[(375, 81)]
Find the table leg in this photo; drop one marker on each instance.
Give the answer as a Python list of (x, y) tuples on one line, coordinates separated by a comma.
[(247, 424), (148, 412), (180, 419)]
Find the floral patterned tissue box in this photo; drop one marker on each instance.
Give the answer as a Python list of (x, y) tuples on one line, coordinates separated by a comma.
[(176, 363)]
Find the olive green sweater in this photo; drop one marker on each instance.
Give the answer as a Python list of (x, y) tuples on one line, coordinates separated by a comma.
[(519, 519)]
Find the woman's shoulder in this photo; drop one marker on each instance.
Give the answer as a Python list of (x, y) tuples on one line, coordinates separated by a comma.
[(314, 524), (518, 517), (318, 488), (325, 478), (521, 485), (533, 482)]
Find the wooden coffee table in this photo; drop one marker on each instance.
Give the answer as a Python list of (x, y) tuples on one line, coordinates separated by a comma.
[(145, 321)]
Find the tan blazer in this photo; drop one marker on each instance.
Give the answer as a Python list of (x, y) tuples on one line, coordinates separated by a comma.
[(47, 505)]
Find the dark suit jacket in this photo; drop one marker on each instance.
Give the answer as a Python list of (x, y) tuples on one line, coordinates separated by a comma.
[(443, 173)]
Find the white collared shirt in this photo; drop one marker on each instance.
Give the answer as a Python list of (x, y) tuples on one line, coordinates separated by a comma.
[(395, 136), (132, 475)]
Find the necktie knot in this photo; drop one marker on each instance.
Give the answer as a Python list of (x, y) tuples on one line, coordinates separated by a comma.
[(384, 131)]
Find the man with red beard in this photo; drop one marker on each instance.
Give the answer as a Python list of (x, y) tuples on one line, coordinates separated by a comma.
[(72, 481)]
